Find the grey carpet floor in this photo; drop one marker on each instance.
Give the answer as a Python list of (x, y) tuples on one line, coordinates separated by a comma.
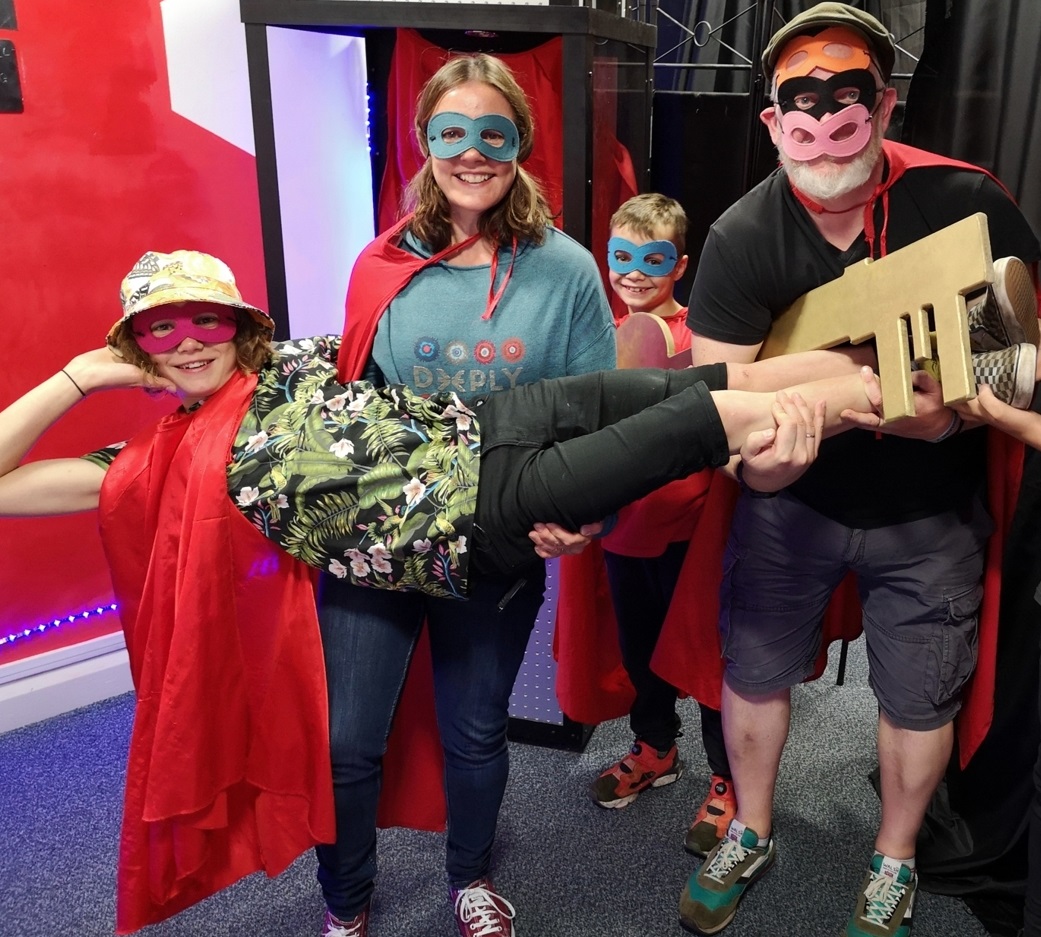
[(571, 868)]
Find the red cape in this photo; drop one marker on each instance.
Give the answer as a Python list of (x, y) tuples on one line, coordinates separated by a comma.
[(228, 771), (593, 686), (539, 71)]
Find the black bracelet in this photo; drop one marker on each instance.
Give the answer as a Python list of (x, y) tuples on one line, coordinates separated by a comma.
[(740, 473), (74, 384)]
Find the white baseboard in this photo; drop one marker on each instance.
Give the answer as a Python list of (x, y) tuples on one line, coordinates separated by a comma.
[(59, 681)]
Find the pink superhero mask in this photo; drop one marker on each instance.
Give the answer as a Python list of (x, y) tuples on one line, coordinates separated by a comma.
[(826, 116), (165, 327)]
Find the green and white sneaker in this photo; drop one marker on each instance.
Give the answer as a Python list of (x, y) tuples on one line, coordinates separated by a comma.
[(886, 901), (709, 900)]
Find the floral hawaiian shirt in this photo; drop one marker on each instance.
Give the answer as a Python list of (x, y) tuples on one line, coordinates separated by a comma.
[(374, 484)]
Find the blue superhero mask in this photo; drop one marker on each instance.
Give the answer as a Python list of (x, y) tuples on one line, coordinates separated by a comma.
[(653, 259), (492, 135)]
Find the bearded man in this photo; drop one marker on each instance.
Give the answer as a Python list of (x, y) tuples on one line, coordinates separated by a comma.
[(902, 509)]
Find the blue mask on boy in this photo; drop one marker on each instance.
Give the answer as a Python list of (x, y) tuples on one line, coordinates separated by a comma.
[(492, 135), (664, 253)]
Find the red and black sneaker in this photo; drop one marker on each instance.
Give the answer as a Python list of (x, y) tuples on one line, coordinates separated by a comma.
[(357, 926), (642, 768), (713, 817)]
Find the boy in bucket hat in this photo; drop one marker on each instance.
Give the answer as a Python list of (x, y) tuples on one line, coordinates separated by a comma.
[(904, 500)]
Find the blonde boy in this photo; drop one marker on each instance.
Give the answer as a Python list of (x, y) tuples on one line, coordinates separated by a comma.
[(645, 550)]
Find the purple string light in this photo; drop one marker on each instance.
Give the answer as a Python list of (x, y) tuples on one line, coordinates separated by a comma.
[(37, 630)]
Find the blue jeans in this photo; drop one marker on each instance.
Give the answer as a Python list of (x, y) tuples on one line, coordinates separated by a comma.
[(369, 636)]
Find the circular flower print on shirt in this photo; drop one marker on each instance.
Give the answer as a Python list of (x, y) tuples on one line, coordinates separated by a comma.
[(484, 352), (513, 349), (457, 352), (427, 349)]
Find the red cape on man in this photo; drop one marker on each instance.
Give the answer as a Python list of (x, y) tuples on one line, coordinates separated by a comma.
[(592, 685)]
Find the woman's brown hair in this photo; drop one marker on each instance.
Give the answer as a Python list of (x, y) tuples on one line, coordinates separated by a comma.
[(524, 212)]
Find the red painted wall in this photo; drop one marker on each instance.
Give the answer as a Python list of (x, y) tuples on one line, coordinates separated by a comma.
[(95, 171)]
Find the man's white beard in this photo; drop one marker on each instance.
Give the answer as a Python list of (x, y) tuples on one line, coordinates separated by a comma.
[(829, 180)]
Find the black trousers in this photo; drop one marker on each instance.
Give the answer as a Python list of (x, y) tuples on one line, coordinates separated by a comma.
[(1032, 916), (641, 592), (574, 450)]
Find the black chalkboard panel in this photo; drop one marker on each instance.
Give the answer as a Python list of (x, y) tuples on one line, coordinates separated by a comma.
[(10, 83), (7, 17)]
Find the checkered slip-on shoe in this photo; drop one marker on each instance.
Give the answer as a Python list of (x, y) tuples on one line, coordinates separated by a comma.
[(1006, 314), (1010, 373)]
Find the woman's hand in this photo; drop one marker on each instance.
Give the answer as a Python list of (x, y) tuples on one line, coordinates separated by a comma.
[(100, 369), (552, 540), (773, 459)]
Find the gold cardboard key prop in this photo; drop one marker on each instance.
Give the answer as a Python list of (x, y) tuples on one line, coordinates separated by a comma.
[(924, 284)]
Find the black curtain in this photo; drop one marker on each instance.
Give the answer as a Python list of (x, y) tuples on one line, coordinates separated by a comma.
[(976, 93), (976, 96)]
